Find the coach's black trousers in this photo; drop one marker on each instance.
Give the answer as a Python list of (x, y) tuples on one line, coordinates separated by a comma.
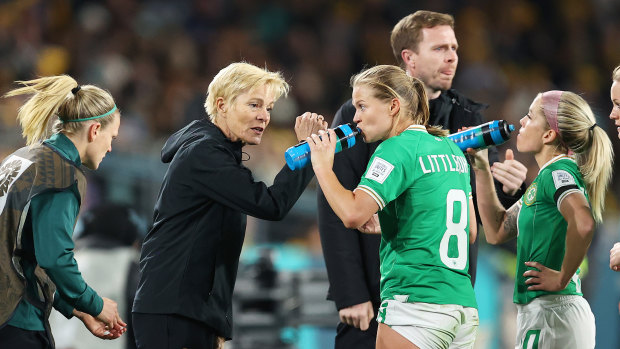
[(351, 337), (168, 331)]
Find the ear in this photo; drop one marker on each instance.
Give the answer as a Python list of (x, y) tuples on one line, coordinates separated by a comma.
[(93, 131), (409, 58), (394, 107), (549, 136), (220, 105)]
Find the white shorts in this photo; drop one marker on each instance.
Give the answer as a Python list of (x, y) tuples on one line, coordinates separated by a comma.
[(555, 321), (431, 326)]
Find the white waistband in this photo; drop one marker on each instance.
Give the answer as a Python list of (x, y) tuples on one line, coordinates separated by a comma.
[(549, 301)]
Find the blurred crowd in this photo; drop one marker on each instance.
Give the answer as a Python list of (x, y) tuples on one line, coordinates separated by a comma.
[(157, 58)]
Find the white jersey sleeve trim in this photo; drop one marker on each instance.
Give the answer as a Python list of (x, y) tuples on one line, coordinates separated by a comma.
[(373, 194), (565, 194)]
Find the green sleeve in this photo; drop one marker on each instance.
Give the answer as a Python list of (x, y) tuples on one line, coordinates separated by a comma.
[(53, 217), (62, 306), (387, 174)]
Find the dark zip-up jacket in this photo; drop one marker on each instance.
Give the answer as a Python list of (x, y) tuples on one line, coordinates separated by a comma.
[(189, 258)]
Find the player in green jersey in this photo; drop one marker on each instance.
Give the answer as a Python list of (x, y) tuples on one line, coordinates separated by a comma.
[(419, 183), (554, 220)]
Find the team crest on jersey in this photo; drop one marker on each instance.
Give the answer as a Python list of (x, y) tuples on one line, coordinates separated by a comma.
[(8, 172), (562, 178), (379, 170), (530, 194)]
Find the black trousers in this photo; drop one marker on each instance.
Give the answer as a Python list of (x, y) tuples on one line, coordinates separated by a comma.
[(169, 331), (352, 337), (15, 337)]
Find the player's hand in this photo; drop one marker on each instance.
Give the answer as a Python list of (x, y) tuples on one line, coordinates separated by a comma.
[(309, 123), (614, 257), (358, 315), (98, 328), (109, 314), (543, 279), (479, 159), (322, 149), (372, 226), (511, 173)]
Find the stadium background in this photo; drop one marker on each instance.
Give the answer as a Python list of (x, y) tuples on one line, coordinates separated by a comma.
[(158, 57)]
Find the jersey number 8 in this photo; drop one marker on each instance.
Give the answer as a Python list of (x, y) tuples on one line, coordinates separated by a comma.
[(455, 229)]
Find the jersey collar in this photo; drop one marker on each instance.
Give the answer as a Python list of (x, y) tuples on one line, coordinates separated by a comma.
[(554, 159), (414, 127), (65, 146)]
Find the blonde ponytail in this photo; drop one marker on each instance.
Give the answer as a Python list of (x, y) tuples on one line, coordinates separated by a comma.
[(60, 99), (48, 94), (596, 165), (592, 147)]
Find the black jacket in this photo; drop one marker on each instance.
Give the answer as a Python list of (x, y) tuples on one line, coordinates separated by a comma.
[(189, 258), (352, 258)]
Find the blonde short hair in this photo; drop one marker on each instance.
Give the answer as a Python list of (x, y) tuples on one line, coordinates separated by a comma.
[(238, 78)]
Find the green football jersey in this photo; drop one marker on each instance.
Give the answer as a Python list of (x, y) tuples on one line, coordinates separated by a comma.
[(421, 184), (541, 228)]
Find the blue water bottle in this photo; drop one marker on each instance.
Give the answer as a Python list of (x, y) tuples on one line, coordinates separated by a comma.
[(298, 156), (483, 136)]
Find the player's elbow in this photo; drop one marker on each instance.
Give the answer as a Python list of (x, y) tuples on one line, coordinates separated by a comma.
[(492, 239), (353, 220), (585, 228), (473, 234), (47, 263), (351, 223)]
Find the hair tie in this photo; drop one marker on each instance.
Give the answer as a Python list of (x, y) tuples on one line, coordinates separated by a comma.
[(76, 89), (593, 126), (65, 120)]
